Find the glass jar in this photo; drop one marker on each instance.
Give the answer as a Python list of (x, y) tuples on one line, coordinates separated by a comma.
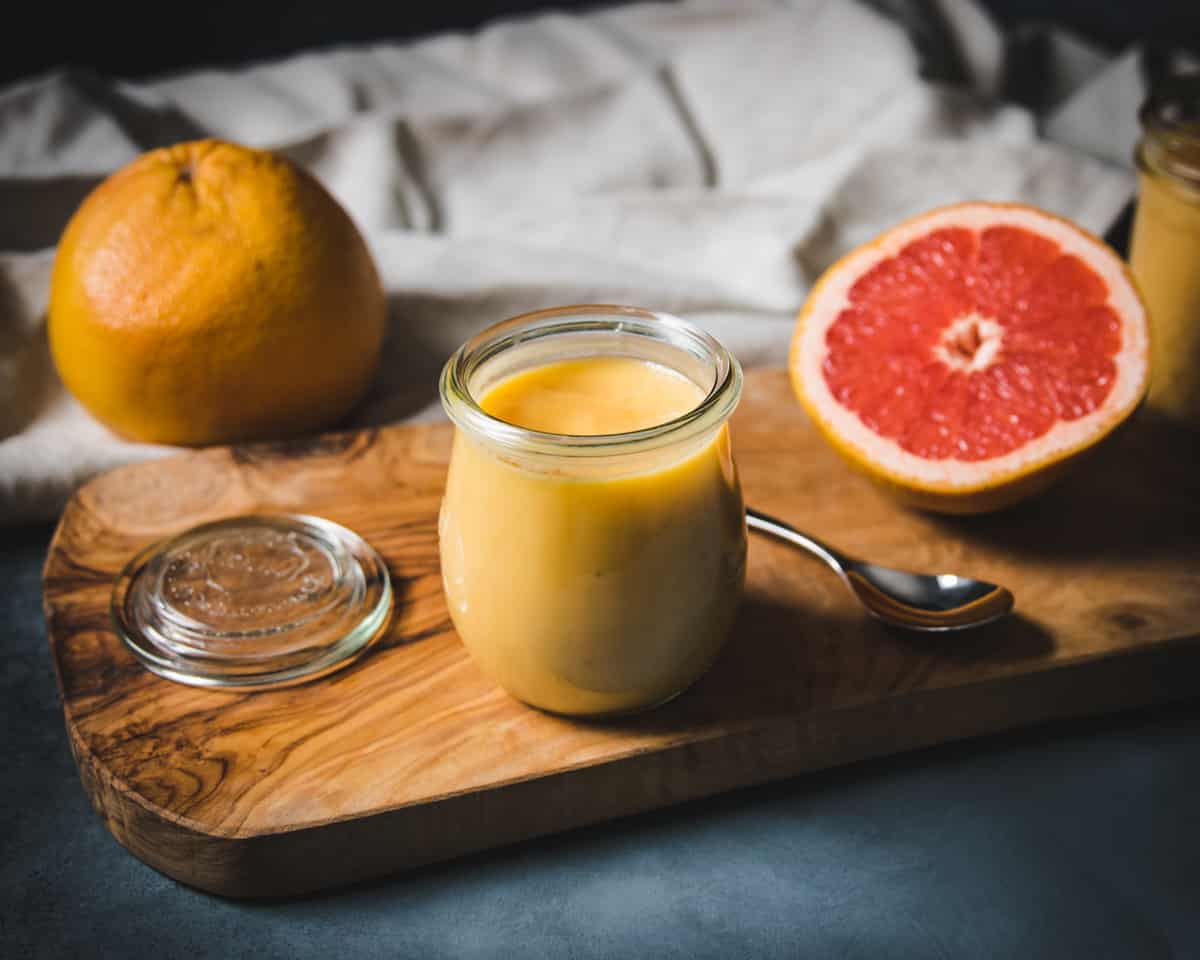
[(592, 575), (1165, 248)]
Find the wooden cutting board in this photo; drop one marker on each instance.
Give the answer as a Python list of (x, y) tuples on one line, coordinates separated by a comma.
[(411, 756)]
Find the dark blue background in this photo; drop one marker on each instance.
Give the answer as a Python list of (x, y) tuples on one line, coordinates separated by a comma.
[(132, 39), (1080, 840)]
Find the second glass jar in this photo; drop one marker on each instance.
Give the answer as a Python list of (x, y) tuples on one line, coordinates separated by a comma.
[(1165, 248)]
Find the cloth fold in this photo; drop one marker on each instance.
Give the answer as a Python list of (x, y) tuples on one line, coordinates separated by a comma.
[(705, 158)]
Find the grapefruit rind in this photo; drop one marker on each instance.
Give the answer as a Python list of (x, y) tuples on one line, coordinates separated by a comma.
[(952, 485)]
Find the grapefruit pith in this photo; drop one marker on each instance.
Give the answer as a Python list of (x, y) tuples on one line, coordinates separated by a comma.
[(963, 358)]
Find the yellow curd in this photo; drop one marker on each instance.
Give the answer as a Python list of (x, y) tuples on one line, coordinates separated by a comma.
[(1165, 247), (597, 583)]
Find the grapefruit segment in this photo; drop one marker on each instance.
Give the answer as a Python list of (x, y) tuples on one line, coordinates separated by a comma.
[(963, 357)]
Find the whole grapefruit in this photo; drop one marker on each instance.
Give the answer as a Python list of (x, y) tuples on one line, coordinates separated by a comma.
[(212, 293), (963, 359)]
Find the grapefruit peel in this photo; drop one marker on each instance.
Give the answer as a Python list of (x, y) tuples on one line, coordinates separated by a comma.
[(970, 343)]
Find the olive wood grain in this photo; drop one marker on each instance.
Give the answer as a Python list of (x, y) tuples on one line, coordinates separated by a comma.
[(411, 756)]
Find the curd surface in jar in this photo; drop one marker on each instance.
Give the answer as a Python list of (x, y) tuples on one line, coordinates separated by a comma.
[(597, 587)]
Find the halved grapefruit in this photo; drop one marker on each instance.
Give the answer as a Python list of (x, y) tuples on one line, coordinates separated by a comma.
[(963, 358)]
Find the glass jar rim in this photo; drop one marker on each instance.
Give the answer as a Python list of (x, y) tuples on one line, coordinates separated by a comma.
[(465, 411), (1170, 121), (1174, 104)]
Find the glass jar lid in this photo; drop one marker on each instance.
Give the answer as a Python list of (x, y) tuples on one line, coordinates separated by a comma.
[(259, 601)]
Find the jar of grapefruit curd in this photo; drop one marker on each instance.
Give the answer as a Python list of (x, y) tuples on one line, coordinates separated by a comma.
[(1165, 248), (592, 534)]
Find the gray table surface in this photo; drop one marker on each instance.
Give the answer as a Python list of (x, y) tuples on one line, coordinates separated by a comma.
[(1076, 840)]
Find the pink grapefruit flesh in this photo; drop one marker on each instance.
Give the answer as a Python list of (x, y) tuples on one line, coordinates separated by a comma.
[(960, 356)]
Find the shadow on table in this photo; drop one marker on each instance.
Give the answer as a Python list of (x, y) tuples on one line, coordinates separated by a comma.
[(784, 659), (1136, 495)]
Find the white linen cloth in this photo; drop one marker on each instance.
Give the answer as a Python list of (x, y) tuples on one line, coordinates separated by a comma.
[(704, 158)]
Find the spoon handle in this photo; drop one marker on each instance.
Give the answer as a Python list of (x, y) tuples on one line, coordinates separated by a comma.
[(765, 523)]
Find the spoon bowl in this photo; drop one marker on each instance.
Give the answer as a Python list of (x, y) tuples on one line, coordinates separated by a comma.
[(915, 601)]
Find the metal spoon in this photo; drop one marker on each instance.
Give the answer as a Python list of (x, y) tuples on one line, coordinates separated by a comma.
[(916, 601)]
